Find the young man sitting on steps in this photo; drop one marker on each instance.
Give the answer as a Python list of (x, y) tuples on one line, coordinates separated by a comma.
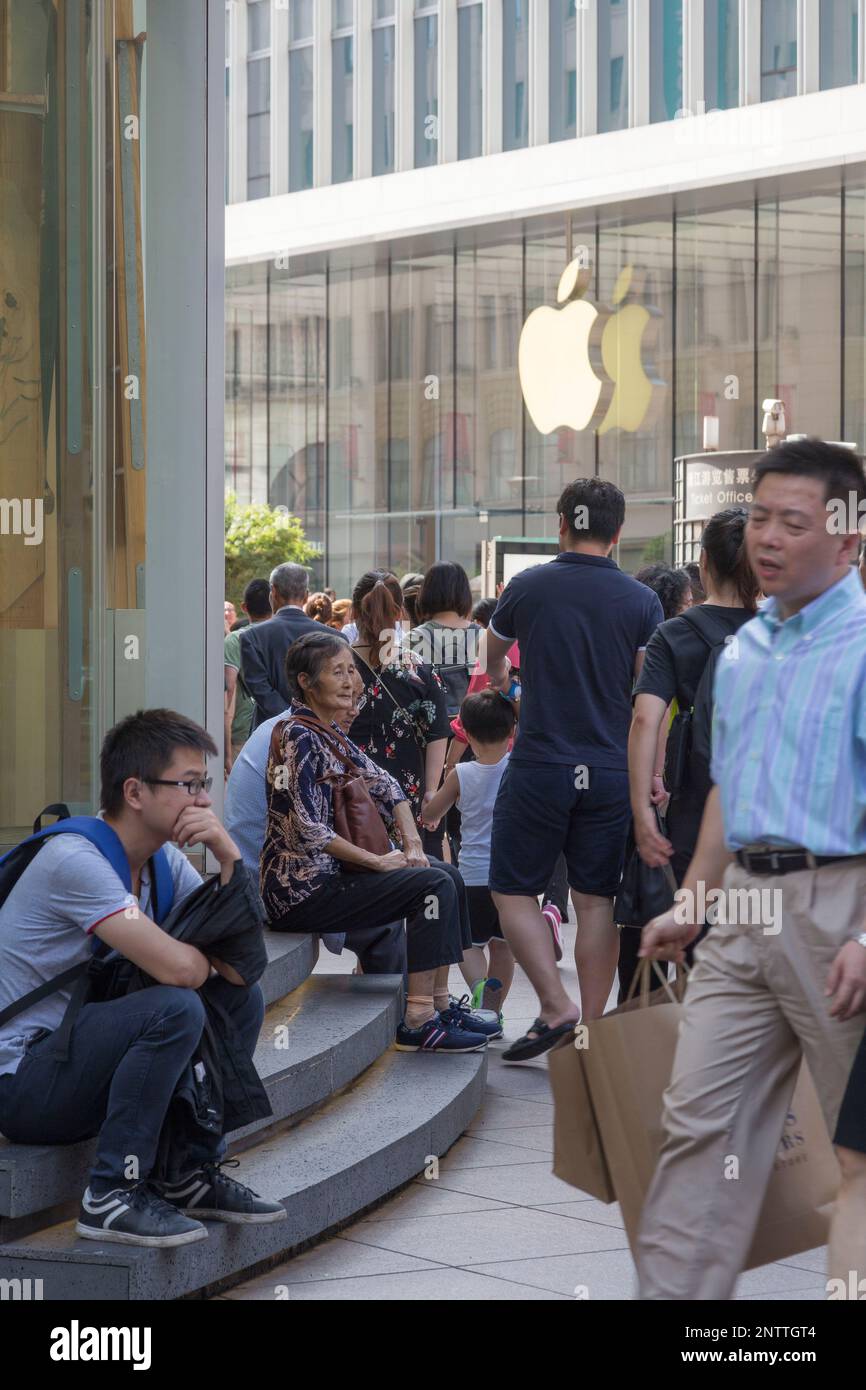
[(126, 1055)]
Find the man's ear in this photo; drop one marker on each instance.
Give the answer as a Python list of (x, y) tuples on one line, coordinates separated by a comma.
[(133, 790), (564, 528)]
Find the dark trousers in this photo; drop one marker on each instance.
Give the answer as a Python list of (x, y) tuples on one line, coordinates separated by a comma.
[(125, 1059), (557, 889), (433, 901), (381, 950)]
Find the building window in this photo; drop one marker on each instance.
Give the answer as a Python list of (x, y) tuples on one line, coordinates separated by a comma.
[(721, 54), (258, 99), (563, 69), (515, 75), (227, 152), (426, 89), (470, 80), (301, 96), (839, 41), (666, 59), (778, 49), (383, 95), (612, 73), (383, 9), (342, 93)]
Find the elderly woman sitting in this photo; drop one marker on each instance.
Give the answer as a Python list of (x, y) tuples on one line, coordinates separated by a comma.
[(312, 879)]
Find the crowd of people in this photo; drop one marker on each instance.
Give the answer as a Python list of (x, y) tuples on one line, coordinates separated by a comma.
[(427, 780)]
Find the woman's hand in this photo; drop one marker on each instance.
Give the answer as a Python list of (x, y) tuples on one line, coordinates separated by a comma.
[(658, 792), (385, 863), (653, 848)]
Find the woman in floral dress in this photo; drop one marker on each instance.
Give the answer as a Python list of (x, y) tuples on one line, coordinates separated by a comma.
[(402, 722)]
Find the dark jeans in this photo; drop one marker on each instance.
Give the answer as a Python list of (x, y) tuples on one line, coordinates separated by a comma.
[(433, 900), (125, 1059)]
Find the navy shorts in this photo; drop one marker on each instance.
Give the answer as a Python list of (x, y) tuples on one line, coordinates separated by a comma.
[(540, 814)]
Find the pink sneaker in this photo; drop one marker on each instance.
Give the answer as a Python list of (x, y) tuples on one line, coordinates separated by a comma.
[(553, 917)]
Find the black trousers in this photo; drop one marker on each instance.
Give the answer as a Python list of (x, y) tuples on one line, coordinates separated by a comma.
[(381, 950), (433, 900)]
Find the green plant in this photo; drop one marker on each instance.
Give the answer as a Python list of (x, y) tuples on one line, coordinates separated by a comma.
[(258, 538)]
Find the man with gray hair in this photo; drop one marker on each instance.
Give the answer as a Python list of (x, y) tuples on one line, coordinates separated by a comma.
[(264, 645)]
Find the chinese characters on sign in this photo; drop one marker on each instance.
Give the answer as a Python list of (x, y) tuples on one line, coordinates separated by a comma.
[(710, 489)]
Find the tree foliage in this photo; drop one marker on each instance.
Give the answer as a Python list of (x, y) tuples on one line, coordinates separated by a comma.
[(258, 538)]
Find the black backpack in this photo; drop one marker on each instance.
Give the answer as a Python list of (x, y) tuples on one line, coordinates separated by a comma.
[(434, 640), (689, 745)]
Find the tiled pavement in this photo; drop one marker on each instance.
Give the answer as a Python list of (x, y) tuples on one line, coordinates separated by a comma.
[(495, 1223)]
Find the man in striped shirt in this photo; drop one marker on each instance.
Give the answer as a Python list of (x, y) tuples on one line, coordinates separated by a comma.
[(782, 859)]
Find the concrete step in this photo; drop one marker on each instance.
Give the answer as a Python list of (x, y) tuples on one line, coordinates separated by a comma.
[(312, 1043), (360, 1147), (291, 958)]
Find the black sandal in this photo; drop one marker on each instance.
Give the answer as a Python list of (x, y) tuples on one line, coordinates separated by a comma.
[(526, 1047)]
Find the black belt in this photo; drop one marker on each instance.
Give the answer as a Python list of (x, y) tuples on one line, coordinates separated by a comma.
[(761, 860)]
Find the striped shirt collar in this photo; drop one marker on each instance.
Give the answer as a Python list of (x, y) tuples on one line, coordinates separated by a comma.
[(827, 605)]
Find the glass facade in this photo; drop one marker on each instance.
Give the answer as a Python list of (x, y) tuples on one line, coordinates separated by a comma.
[(721, 54), (426, 90), (563, 69), (470, 81), (778, 49), (102, 157), (666, 59), (839, 42), (258, 99), (392, 420), (515, 74), (383, 99), (342, 108), (613, 21)]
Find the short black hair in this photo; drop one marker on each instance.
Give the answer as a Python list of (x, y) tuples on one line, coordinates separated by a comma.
[(487, 716), (840, 469), (484, 610), (257, 598), (445, 589), (142, 745), (693, 570), (308, 655), (604, 507), (669, 584)]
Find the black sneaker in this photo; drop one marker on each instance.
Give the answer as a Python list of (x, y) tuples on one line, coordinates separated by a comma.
[(438, 1035), (210, 1194), (135, 1216)]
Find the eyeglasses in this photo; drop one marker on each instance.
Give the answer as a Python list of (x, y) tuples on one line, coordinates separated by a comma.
[(193, 787)]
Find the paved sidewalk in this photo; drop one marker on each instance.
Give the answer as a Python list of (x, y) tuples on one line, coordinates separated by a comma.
[(495, 1223)]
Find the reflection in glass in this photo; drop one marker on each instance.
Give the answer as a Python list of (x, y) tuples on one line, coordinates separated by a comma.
[(666, 59), (300, 118), (563, 69), (470, 81), (839, 45), (301, 13), (426, 91), (721, 54), (778, 49), (612, 65), (258, 25), (342, 109), (258, 127), (515, 72), (383, 100)]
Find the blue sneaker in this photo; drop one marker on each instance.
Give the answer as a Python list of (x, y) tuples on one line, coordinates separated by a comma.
[(461, 1013), (438, 1035)]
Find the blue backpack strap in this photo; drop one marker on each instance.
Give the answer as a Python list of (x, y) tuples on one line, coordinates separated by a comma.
[(161, 886)]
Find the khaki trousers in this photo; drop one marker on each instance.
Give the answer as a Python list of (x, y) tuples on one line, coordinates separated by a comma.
[(755, 1003)]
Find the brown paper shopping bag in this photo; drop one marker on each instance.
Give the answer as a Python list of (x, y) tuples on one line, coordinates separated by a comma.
[(578, 1157)]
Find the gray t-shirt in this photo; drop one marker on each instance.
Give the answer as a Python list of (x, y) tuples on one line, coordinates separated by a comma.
[(46, 921)]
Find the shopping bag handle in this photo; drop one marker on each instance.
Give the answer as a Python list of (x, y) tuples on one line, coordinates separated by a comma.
[(642, 977)]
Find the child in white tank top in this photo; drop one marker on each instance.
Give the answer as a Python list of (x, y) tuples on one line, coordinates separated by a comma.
[(488, 722)]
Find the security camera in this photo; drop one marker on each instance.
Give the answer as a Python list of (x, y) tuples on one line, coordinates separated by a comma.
[(774, 422)]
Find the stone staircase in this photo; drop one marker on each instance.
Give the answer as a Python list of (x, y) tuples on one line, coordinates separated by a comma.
[(353, 1121)]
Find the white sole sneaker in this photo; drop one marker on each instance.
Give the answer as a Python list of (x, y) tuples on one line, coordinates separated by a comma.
[(123, 1238)]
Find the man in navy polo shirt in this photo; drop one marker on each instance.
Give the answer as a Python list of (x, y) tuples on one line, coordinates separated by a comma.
[(582, 626)]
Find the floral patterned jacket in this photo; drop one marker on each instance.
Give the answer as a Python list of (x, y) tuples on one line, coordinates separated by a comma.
[(300, 812)]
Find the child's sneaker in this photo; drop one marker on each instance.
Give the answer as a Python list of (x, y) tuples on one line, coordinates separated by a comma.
[(459, 1011), (553, 917), (437, 1035)]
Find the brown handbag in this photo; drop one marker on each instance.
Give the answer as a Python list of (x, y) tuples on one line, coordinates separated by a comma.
[(356, 817)]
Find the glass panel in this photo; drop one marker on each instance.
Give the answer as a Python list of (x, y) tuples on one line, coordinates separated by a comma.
[(384, 9), (342, 109), (721, 54), (854, 361), (343, 14), (258, 128), (47, 465), (839, 43), (563, 69), (302, 19), (258, 25), (426, 91), (470, 81), (799, 310), (612, 65), (666, 59), (383, 100), (300, 118), (228, 160), (515, 75), (778, 49)]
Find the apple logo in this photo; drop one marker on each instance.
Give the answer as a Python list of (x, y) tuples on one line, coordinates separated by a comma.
[(555, 358), (627, 335)]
